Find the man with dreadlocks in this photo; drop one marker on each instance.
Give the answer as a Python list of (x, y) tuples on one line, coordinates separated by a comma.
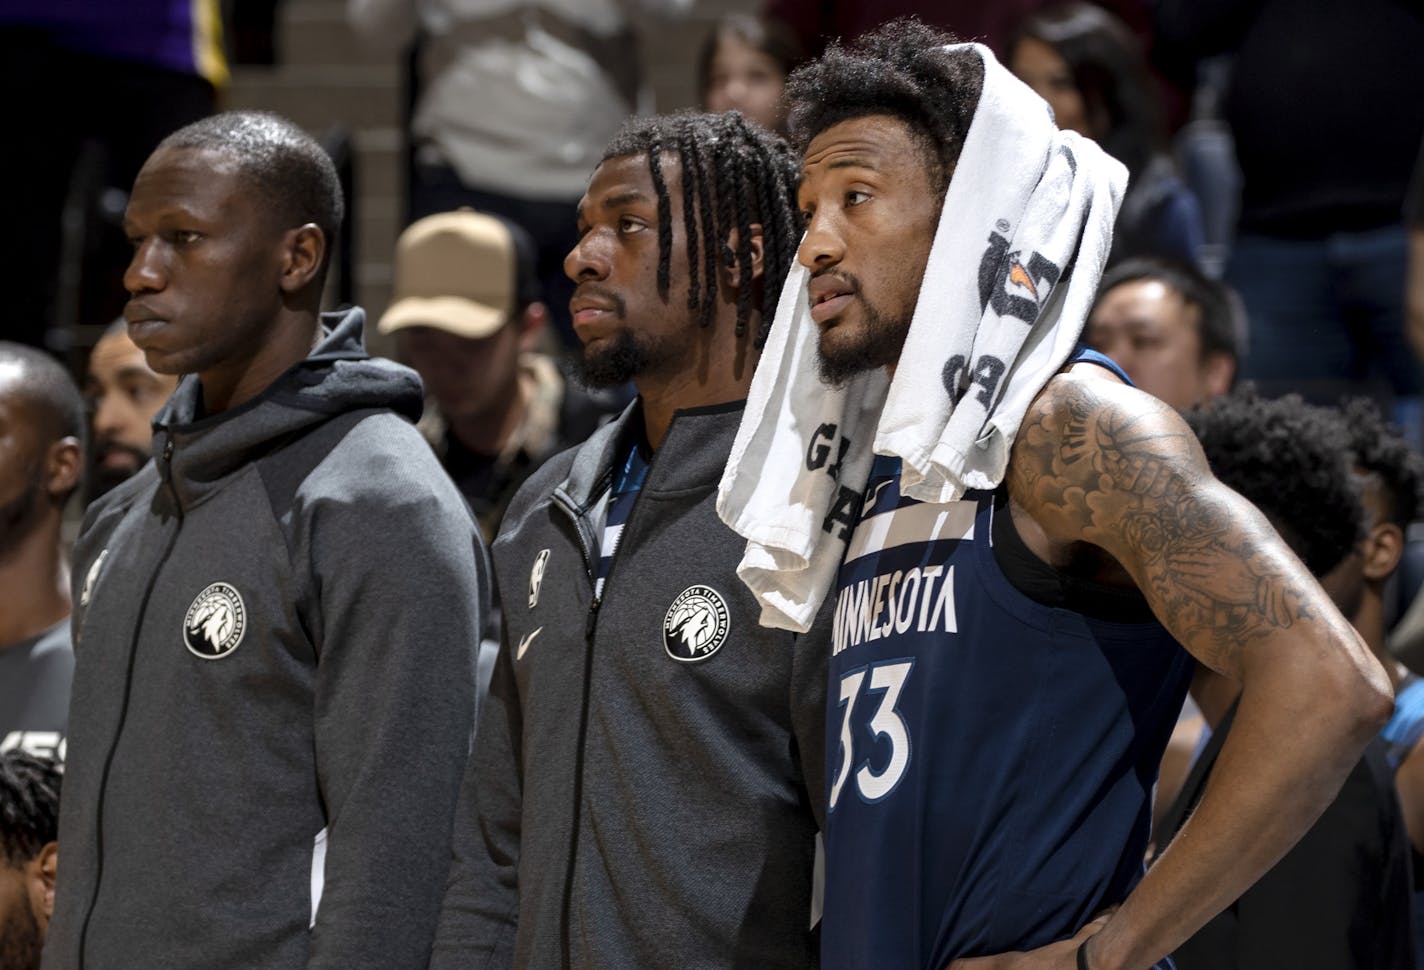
[(647, 776)]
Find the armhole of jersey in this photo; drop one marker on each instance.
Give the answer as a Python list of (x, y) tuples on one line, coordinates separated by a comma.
[(1087, 355)]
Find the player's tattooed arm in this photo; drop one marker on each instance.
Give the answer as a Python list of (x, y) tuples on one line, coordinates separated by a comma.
[(1098, 462)]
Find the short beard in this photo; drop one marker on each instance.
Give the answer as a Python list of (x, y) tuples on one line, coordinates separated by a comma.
[(103, 479), (20, 939), (883, 340), (618, 359)]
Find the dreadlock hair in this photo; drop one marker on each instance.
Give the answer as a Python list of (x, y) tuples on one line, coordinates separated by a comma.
[(29, 806), (1292, 461), (898, 69), (1380, 448), (734, 174)]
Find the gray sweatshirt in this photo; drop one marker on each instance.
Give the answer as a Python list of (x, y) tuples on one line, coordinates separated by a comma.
[(646, 782), (274, 632)]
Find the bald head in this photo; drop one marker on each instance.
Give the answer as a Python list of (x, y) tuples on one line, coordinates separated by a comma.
[(43, 387)]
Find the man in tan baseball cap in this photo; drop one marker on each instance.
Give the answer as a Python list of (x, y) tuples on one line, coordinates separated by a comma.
[(468, 315)]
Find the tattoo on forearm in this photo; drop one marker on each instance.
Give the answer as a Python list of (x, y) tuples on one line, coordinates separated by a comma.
[(1129, 480)]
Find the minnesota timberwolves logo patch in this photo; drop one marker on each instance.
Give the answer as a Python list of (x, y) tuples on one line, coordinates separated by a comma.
[(696, 624), (215, 622)]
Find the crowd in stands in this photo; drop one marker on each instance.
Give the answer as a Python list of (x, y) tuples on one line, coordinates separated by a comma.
[(1265, 280)]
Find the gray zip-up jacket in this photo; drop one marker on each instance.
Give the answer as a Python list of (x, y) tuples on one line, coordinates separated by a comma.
[(647, 780), (274, 630)]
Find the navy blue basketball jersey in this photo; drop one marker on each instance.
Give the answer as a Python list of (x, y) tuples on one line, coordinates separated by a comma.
[(991, 759)]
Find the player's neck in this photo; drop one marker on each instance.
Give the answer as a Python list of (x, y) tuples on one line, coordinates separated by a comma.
[(289, 340), (36, 579), (712, 379)]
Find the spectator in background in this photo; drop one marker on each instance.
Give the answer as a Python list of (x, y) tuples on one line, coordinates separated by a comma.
[(1324, 109), (1391, 474), (41, 463), (1341, 898), (125, 395), (470, 319), (118, 75), (1089, 67), (1171, 328), (513, 101), (743, 66), (29, 829)]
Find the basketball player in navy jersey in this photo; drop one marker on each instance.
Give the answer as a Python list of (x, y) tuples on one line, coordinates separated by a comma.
[(645, 783), (991, 757)]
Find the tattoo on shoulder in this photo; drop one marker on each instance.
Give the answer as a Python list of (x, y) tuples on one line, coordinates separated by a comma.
[(1133, 481)]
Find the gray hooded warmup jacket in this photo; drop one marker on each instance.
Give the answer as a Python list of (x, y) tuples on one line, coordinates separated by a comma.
[(646, 784), (275, 625)]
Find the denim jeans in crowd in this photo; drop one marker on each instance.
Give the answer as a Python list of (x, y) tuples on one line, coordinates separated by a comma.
[(1326, 317)]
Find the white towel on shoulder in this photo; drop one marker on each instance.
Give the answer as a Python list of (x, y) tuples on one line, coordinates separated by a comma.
[(1023, 235)]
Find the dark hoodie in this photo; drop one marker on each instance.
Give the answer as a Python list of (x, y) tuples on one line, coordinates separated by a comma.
[(274, 631)]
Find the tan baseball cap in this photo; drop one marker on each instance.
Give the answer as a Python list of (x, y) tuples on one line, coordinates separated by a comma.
[(454, 271)]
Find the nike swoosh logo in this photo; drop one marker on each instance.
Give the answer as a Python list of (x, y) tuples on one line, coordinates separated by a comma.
[(524, 642)]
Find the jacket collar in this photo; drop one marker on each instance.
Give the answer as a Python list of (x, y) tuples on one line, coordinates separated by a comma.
[(693, 454), (196, 453)]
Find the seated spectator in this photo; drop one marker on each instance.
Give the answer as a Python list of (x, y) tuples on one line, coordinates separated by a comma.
[(743, 67), (1090, 68), (1341, 898), (469, 316), (29, 830), (1391, 474), (124, 396), (41, 464), (1174, 331)]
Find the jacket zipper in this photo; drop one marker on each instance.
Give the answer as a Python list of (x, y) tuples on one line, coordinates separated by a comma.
[(166, 471), (586, 547)]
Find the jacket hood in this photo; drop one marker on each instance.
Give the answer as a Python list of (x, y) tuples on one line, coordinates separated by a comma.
[(337, 377)]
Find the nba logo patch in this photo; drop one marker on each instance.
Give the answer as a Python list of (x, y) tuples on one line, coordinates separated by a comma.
[(696, 624), (90, 578), (215, 623), (536, 576)]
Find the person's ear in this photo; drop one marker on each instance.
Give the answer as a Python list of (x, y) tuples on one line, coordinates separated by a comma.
[(40, 872), (532, 322), (1218, 372), (731, 270), (1381, 550), (64, 465), (304, 248)]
